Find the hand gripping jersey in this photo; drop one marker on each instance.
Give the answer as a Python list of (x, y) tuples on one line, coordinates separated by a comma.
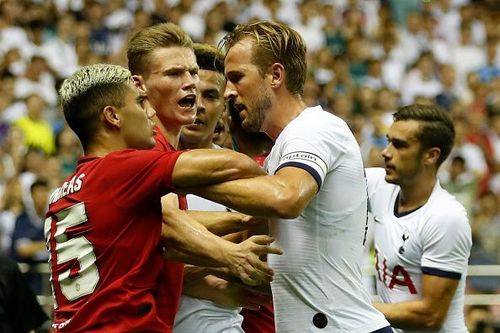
[(318, 285), (102, 230), (435, 239)]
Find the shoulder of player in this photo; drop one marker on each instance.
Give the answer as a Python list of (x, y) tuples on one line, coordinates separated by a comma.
[(444, 203), (444, 211), (317, 123)]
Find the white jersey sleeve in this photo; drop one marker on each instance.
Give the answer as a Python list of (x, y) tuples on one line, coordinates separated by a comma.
[(447, 242), (313, 146)]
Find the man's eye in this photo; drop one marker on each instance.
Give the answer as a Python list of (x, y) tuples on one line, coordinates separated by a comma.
[(141, 101), (235, 78)]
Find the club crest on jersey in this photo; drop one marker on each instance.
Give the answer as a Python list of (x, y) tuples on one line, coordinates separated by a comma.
[(404, 237)]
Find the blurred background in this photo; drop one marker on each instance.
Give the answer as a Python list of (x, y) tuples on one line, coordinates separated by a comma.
[(366, 58)]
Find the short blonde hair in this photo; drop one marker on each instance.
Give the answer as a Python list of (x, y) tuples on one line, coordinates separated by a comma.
[(85, 94), (89, 77), (145, 41)]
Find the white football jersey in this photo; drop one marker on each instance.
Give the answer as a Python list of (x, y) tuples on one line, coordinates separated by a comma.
[(318, 285), (434, 239), (200, 315)]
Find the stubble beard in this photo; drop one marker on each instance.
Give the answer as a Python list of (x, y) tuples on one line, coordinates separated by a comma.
[(255, 118)]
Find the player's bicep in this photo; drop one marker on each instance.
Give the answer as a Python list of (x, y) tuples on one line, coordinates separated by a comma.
[(437, 293)]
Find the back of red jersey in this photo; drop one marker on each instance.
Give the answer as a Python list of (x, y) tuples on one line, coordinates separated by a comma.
[(103, 230)]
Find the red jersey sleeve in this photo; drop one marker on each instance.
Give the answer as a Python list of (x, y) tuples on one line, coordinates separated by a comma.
[(137, 172)]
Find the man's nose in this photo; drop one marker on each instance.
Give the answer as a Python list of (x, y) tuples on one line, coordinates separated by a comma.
[(230, 91), (190, 81)]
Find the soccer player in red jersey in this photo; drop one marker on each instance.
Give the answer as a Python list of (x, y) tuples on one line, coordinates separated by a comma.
[(164, 67), (103, 226)]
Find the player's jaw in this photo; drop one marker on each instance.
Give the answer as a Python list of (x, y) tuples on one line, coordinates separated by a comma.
[(253, 116)]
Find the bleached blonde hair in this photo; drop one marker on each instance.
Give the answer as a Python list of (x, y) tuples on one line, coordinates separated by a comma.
[(87, 92), (88, 77)]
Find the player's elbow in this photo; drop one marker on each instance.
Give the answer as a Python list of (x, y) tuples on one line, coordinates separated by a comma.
[(287, 204), (433, 322)]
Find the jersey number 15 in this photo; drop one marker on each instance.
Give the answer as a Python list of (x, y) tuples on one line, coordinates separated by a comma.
[(77, 254)]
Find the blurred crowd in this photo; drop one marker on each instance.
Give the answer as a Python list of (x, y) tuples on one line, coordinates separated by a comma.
[(366, 59)]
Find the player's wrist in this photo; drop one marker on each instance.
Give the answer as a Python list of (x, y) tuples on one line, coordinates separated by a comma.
[(230, 256)]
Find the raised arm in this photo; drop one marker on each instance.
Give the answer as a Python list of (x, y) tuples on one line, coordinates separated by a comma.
[(200, 167), (427, 313), (188, 241), (283, 195)]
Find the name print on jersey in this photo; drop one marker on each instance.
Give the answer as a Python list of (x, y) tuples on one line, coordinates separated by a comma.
[(298, 156), (74, 185), (398, 277)]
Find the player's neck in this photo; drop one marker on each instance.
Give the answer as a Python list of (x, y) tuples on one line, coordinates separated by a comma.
[(171, 133), (105, 143), (284, 110), (416, 193), (205, 144)]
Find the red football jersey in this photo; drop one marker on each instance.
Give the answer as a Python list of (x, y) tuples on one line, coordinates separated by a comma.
[(262, 320), (103, 230), (171, 280), (258, 321)]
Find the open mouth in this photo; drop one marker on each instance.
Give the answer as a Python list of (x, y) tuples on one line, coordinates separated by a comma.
[(239, 107), (188, 102), (198, 122)]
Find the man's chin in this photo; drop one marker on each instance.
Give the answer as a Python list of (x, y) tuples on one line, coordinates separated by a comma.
[(146, 145), (249, 127), (391, 179)]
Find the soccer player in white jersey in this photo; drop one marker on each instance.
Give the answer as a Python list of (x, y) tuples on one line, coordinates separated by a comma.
[(422, 235), (316, 186), (196, 313)]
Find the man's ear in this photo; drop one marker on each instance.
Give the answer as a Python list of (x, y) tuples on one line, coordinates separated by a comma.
[(277, 75), (139, 83), (111, 117), (432, 155)]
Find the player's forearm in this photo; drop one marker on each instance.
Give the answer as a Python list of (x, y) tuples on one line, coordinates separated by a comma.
[(227, 293), (191, 241), (260, 196), (194, 273), (200, 167), (205, 288), (222, 223), (411, 315)]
